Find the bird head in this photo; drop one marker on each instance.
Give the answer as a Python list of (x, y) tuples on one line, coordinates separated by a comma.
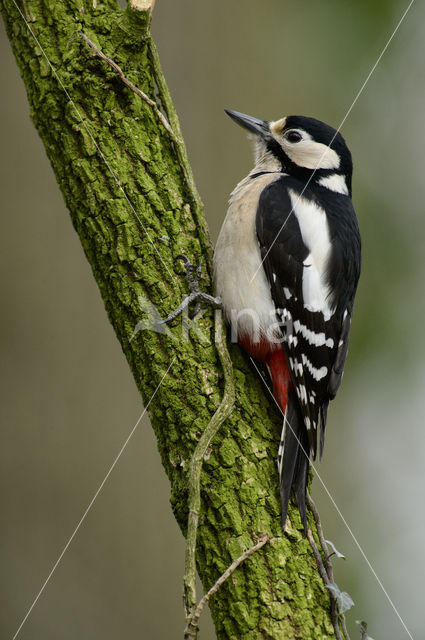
[(303, 147)]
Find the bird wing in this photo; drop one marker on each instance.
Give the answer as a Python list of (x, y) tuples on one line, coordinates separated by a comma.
[(315, 346)]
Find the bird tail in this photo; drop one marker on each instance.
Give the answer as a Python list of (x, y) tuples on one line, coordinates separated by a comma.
[(293, 460)]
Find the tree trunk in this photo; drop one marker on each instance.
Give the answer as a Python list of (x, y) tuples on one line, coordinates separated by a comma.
[(129, 190)]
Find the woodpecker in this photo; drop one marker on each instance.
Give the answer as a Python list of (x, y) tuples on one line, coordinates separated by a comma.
[(286, 267)]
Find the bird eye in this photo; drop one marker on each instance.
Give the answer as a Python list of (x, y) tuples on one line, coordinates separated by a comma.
[(293, 136)]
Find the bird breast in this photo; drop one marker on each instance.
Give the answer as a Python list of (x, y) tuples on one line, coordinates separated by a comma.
[(239, 277)]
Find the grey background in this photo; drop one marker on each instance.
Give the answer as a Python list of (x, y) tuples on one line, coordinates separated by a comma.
[(68, 401)]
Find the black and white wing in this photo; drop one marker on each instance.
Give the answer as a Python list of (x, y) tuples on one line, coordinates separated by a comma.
[(315, 341)]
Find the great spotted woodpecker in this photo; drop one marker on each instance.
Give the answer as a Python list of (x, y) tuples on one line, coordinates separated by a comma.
[(286, 268)]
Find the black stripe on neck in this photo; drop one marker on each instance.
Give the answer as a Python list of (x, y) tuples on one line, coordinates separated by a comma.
[(262, 173)]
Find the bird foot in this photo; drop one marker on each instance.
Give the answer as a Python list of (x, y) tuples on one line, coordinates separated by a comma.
[(193, 275)]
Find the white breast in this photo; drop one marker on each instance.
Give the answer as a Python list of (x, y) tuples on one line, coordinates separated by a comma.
[(241, 284)]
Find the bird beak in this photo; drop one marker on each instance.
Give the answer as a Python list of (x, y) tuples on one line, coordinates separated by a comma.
[(259, 127)]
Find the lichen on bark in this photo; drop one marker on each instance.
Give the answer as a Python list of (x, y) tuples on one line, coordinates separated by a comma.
[(132, 202)]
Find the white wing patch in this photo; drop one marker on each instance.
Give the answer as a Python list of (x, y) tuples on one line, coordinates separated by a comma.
[(315, 234)]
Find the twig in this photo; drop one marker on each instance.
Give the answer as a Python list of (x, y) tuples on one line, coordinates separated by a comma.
[(325, 578), (344, 627), (326, 570), (131, 86), (193, 275), (192, 625), (318, 557), (223, 411), (328, 563)]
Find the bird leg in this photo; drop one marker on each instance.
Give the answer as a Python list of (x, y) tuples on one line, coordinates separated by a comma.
[(193, 275)]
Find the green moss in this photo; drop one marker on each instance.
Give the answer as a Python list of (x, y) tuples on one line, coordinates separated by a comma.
[(228, 453)]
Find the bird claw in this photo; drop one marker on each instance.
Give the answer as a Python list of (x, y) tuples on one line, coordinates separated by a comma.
[(193, 275)]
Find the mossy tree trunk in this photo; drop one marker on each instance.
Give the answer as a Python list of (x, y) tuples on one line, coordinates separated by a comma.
[(133, 205)]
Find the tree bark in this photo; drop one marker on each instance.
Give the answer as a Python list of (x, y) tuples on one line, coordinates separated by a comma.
[(129, 190)]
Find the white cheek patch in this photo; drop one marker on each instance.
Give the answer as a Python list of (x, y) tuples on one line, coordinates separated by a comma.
[(311, 155)]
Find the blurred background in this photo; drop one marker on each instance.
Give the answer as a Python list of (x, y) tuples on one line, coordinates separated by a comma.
[(68, 401)]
